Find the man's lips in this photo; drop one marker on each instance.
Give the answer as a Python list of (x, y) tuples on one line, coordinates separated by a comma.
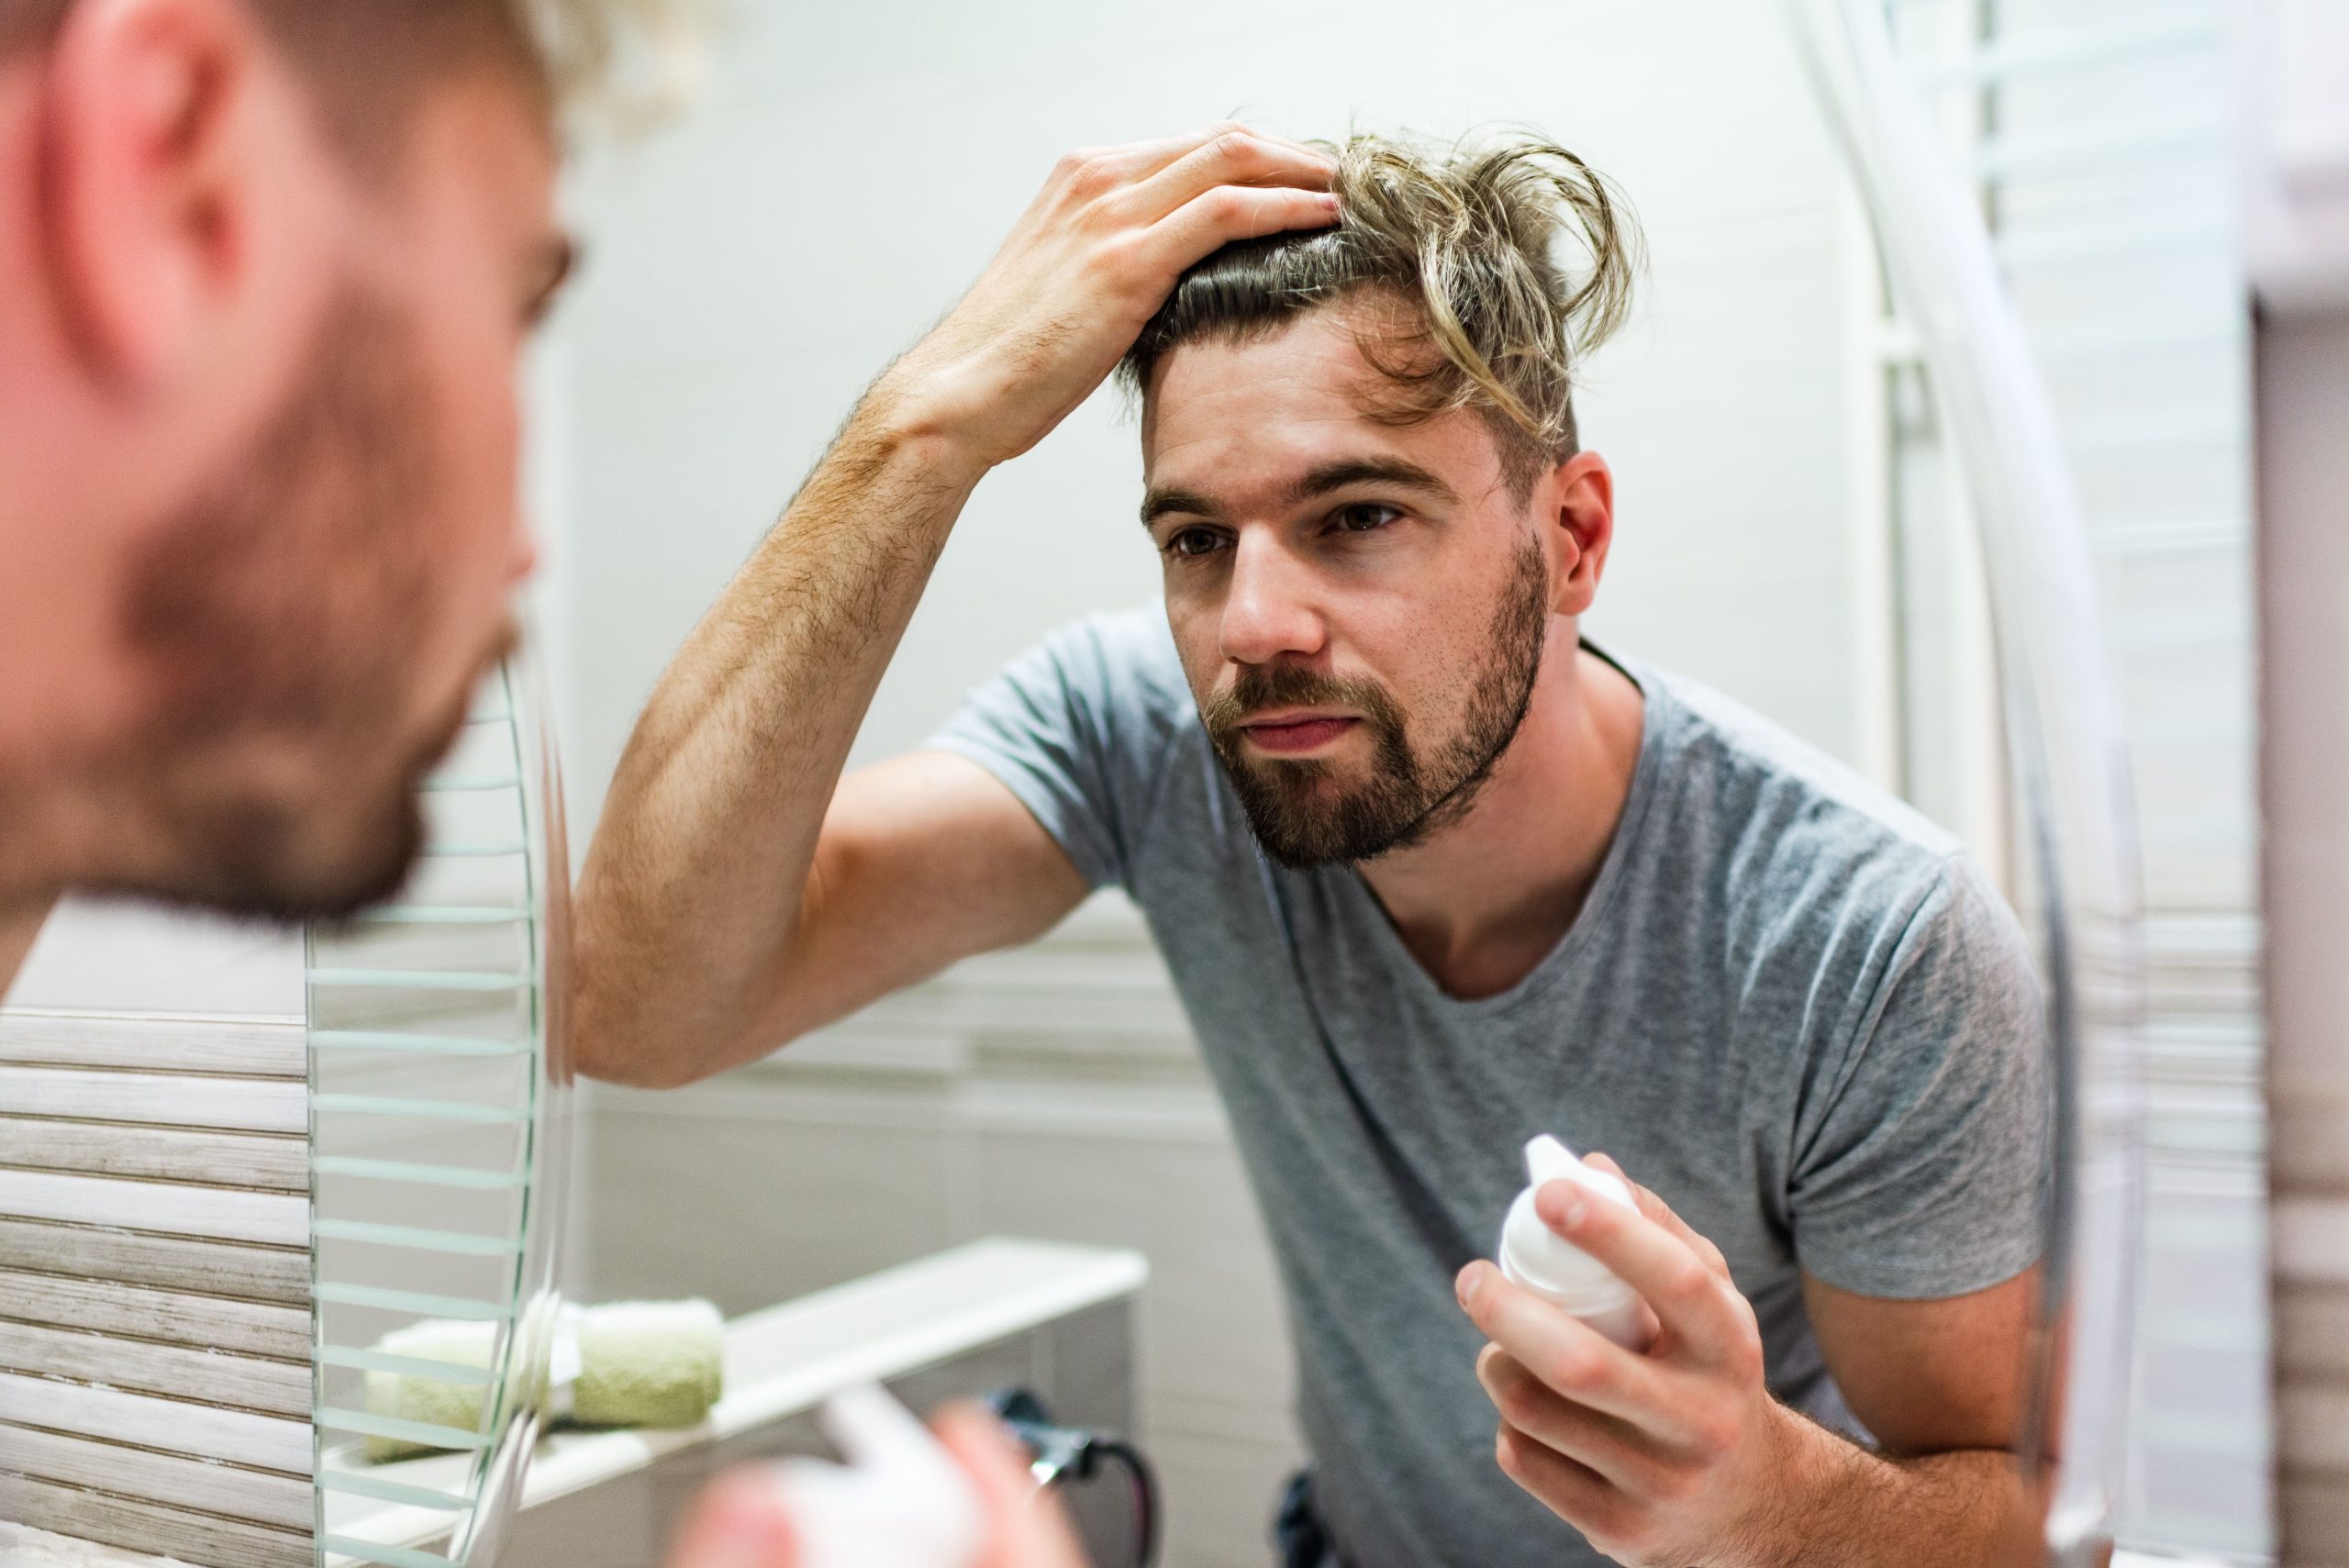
[(1294, 735)]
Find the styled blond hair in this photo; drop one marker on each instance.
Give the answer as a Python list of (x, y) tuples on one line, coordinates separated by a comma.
[(625, 63), (1505, 254), (597, 63)]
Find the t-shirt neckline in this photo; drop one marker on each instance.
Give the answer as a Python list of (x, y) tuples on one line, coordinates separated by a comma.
[(1655, 699)]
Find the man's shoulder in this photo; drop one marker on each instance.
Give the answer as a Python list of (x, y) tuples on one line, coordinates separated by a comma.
[(1822, 882), (1786, 823), (1122, 664)]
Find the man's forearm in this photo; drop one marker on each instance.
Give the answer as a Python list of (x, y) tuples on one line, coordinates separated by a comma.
[(1851, 1506), (692, 885), (695, 884)]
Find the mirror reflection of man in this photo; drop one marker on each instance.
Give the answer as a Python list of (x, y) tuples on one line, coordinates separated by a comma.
[(1431, 872), (266, 267)]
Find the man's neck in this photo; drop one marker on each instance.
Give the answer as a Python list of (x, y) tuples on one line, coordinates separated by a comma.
[(1484, 901)]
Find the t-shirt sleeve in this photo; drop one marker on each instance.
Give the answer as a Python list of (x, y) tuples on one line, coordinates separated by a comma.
[(1926, 1177), (1068, 726)]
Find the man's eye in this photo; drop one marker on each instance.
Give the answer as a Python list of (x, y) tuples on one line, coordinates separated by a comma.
[(1364, 518), (1188, 543)]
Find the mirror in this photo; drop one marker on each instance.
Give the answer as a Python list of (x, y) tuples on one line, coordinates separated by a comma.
[(1928, 441), (438, 1127), (1793, 530)]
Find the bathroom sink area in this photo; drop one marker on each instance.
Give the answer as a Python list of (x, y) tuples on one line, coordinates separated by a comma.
[(995, 1313)]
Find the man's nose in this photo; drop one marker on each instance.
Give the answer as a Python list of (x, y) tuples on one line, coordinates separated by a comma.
[(1269, 609)]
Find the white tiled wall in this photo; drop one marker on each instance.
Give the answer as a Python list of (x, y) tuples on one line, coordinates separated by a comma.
[(849, 170), (104, 956)]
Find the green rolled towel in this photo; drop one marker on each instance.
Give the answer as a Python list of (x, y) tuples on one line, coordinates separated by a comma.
[(648, 1363), (409, 1397), (633, 1363)]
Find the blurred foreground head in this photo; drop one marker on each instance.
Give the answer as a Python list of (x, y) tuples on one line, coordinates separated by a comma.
[(267, 268)]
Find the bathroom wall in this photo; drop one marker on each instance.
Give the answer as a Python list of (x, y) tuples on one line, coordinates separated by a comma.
[(848, 170)]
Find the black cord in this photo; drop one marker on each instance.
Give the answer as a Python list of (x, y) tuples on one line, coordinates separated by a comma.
[(1063, 1453), (1145, 1494)]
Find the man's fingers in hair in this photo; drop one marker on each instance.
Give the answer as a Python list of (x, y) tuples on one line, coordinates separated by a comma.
[(1110, 169), (1239, 157), (1215, 218)]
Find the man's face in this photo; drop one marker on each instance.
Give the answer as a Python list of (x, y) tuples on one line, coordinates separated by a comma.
[(1361, 607), (309, 625)]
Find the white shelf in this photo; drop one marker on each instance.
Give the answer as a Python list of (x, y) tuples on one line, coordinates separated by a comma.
[(790, 1358)]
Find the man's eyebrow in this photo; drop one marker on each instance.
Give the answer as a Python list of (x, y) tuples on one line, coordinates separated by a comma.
[(558, 259), (1159, 503), (1368, 471), (1319, 482)]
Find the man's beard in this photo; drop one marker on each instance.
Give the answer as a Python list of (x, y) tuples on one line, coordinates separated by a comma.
[(277, 773), (1411, 794)]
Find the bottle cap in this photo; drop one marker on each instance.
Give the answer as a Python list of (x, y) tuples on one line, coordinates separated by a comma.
[(1533, 1255)]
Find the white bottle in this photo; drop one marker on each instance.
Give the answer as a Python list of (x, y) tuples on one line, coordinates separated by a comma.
[(1536, 1257), (900, 1502)]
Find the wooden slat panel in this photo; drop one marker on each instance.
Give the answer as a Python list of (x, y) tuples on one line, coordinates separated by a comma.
[(191, 1538), (276, 1161), (257, 1496), (240, 1105), (282, 1388), (206, 1322), (154, 1228), (268, 1441), (202, 1045), (171, 1262), (277, 1220)]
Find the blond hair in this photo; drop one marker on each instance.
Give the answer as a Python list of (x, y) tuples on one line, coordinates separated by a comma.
[(599, 63), (621, 63), (1466, 240)]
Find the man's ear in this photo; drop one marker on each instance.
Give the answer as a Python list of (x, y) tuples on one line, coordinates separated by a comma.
[(1579, 506), (149, 137)]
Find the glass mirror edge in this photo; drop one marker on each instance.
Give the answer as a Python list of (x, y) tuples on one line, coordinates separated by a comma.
[(2065, 735), (529, 1351), (522, 1354)]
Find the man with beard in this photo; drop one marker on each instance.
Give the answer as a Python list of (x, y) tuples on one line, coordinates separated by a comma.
[(1431, 873), (266, 269), (259, 531)]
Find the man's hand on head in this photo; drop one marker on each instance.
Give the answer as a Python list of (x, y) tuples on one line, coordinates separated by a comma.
[(1086, 267), (1672, 1456)]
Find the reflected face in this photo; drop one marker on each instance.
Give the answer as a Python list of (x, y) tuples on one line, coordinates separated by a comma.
[(1361, 607), (312, 622)]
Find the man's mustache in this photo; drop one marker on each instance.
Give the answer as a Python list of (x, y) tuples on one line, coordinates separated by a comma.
[(1261, 687)]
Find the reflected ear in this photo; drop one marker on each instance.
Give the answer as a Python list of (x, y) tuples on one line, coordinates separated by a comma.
[(149, 135), (1580, 503)]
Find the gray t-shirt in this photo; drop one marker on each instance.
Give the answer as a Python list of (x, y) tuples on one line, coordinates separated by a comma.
[(1790, 1005)]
